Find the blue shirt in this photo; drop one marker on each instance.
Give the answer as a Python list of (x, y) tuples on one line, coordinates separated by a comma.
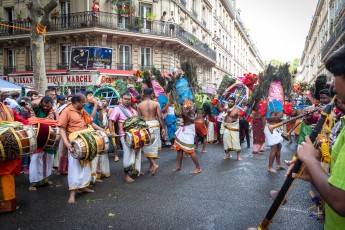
[(88, 108)]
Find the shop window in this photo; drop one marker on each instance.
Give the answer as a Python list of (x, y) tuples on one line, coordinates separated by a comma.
[(125, 58), (146, 57)]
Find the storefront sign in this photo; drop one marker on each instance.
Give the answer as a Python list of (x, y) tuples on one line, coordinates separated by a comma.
[(107, 79), (56, 80)]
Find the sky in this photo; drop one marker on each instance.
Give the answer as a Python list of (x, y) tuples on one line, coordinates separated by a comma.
[(278, 27)]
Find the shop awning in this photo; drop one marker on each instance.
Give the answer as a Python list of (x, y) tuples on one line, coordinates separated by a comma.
[(6, 86)]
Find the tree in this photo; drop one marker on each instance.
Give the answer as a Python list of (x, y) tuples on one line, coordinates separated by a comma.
[(294, 65), (39, 17), (273, 62)]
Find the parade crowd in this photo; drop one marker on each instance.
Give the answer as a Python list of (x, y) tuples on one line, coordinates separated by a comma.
[(75, 116)]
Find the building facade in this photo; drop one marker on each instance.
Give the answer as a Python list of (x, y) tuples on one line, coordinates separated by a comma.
[(210, 32), (326, 34)]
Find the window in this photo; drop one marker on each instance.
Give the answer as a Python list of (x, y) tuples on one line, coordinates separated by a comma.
[(65, 10), (65, 54), (11, 58), (144, 9), (125, 58), (146, 57)]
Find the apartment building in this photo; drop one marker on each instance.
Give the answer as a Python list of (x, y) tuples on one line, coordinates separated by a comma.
[(326, 34), (210, 32)]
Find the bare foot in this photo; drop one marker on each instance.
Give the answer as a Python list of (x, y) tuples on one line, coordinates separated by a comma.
[(155, 167), (32, 188), (87, 190), (99, 180), (71, 200), (50, 182), (128, 179), (187, 156), (150, 169), (141, 174), (196, 171), (281, 167), (176, 169), (228, 156), (116, 159), (272, 170), (239, 158), (204, 151)]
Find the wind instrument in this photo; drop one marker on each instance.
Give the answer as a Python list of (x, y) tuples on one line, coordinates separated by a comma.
[(288, 134), (296, 168), (272, 127)]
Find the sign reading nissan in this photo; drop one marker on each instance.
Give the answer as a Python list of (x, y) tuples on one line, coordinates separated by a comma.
[(90, 58)]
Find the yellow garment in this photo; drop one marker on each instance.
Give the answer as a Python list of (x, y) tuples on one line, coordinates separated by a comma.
[(7, 193), (298, 128), (75, 134)]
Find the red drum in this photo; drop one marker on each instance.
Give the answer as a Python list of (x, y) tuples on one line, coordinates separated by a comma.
[(137, 138), (48, 137)]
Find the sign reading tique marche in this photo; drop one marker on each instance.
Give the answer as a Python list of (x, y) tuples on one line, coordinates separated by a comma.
[(55, 80)]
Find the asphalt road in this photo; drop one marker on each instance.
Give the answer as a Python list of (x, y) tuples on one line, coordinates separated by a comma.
[(226, 195)]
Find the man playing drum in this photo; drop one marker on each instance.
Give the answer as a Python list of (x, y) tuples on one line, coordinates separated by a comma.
[(151, 111), (74, 118), (8, 170), (131, 157), (41, 163)]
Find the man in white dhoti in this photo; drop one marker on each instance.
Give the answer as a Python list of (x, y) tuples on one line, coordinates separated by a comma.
[(185, 137), (151, 112), (131, 157), (75, 119), (230, 129)]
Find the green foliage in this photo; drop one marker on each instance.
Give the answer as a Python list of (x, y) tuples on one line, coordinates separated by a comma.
[(294, 65), (121, 86), (192, 41), (147, 78), (226, 82), (189, 68), (286, 79), (160, 79)]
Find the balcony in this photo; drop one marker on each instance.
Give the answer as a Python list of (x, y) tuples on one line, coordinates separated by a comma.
[(340, 28), (9, 69), (183, 3), (124, 66), (204, 22), (62, 66), (29, 68), (195, 14), (114, 22)]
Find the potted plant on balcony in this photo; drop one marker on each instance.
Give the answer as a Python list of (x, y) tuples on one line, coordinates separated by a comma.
[(150, 16), (55, 13), (19, 16), (125, 11)]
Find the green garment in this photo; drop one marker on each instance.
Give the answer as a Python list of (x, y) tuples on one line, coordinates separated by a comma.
[(39, 112), (305, 131), (337, 179)]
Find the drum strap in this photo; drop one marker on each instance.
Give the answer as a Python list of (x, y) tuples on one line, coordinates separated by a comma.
[(124, 111)]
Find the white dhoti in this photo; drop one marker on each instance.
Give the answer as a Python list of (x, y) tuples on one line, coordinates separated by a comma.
[(231, 136), (273, 138), (152, 150), (100, 167), (210, 131), (40, 168), (78, 176), (131, 157), (184, 139)]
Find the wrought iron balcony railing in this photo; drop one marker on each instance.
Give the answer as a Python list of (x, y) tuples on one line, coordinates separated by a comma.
[(183, 3), (124, 66), (29, 68), (340, 28), (9, 69), (195, 14), (114, 22)]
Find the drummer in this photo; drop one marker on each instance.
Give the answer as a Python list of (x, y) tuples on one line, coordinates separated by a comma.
[(41, 162), (119, 114), (75, 118), (8, 170)]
